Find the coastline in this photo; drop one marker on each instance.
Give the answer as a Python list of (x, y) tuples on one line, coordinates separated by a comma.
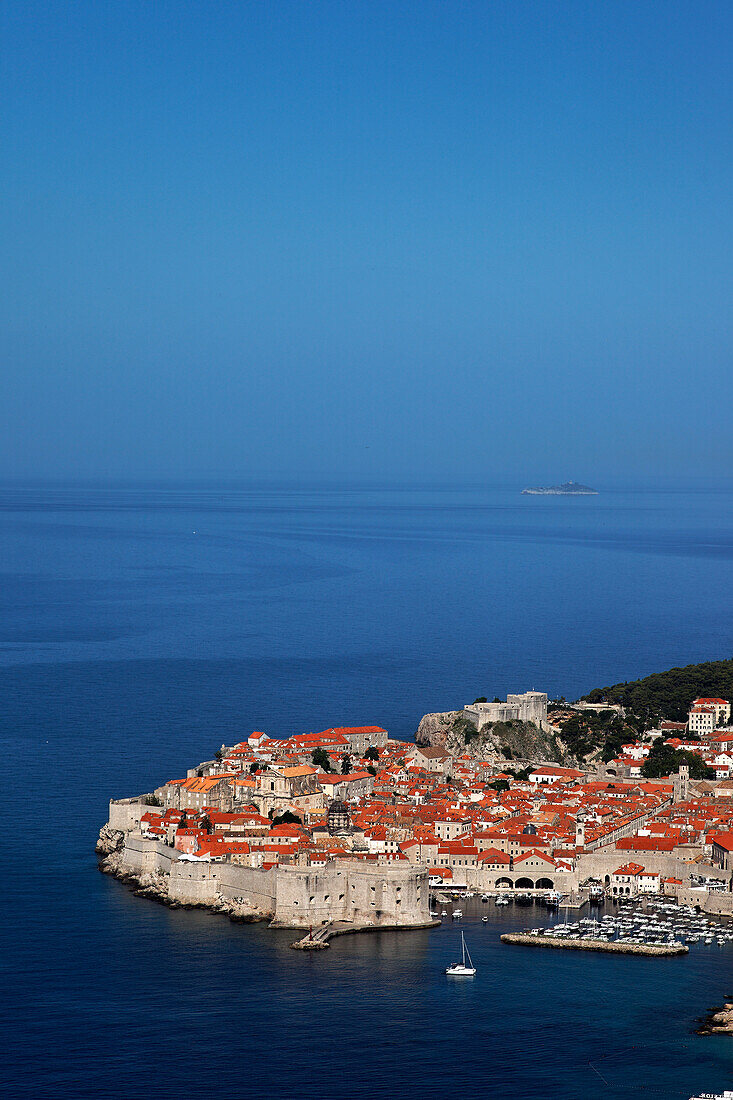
[(281, 896)]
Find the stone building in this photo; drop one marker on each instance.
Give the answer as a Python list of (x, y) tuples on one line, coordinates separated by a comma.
[(361, 738), (432, 759), (719, 707), (196, 792), (277, 789), (529, 707)]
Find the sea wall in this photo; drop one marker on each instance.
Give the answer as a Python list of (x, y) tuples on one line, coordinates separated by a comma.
[(125, 813), (291, 897), (360, 894), (708, 900), (604, 861)]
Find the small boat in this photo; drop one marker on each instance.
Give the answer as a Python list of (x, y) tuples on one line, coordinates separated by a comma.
[(501, 901), (461, 969), (444, 913), (485, 920), (457, 914)]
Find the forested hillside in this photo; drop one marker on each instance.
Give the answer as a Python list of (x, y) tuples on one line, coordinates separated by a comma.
[(669, 694)]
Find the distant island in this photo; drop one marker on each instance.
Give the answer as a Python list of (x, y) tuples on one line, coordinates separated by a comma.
[(567, 489)]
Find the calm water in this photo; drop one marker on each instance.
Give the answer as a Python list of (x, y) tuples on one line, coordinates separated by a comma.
[(140, 629)]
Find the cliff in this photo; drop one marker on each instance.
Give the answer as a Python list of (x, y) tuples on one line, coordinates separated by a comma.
[(452, 731)]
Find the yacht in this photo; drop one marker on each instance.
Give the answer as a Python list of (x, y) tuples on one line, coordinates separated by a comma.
[(465, 968)]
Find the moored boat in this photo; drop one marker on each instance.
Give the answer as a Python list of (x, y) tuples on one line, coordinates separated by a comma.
[(465, 968)]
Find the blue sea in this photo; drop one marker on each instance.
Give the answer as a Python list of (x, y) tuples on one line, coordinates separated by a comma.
[(142, 627)]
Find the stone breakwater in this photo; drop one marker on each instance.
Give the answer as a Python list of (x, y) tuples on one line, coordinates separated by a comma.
[(648, 949)]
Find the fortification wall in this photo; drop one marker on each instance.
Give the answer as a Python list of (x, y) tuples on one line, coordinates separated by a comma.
[(290, 896), (353, 892), (125, 813), (256, 887), (709, 901), (147, 856), (604, 861)]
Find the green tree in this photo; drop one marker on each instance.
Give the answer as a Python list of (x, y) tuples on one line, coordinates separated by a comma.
[(320, 759), (500, 785), (346, 765), (668, 694), (665, 760), (371, 769), (371, 753), (219, 755), (254, 767), (481, 699)]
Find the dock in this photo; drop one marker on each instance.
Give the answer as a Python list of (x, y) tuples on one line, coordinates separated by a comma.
[(315, 941), (578, 943)]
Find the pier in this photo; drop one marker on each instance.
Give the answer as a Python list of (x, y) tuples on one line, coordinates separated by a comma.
[(315, 941), (582, 943)]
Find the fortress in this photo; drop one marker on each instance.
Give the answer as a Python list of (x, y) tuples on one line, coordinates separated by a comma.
[(529, 707), (351, 893)]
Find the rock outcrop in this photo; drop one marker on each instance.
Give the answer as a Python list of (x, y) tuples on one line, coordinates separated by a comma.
[(719, 1021), (110, 841), (155, 885), (453, 731)]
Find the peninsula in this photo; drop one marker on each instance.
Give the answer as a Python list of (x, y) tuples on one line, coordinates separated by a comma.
[(567, 489), (349, 829)]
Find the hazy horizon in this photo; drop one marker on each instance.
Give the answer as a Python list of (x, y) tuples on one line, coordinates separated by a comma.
[(378, 242)]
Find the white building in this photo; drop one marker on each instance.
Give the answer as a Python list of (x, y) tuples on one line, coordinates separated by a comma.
[(698, 718), (701, 720)]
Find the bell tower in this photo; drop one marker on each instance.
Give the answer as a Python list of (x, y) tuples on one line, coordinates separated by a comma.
[(580, 833)]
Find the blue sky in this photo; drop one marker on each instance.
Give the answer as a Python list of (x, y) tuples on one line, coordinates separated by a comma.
[(401, 241)]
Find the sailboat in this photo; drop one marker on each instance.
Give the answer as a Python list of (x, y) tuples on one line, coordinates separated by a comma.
[(462, 969)]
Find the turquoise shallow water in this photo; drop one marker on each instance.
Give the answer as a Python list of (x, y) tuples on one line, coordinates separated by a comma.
[(140, 629)]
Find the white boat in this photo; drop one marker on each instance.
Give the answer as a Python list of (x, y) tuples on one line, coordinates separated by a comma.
[(457, 914), (501, 901), (461, 969)]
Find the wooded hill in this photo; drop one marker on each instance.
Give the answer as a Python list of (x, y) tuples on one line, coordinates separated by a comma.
[(669, 694)]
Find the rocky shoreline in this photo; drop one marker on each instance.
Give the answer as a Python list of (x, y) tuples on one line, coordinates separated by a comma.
[(719, 1021), (109, 849)]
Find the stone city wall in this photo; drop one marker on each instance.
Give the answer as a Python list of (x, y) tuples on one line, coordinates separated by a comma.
[(604, 861), (708, 900), (125, 813), (293, 897)]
